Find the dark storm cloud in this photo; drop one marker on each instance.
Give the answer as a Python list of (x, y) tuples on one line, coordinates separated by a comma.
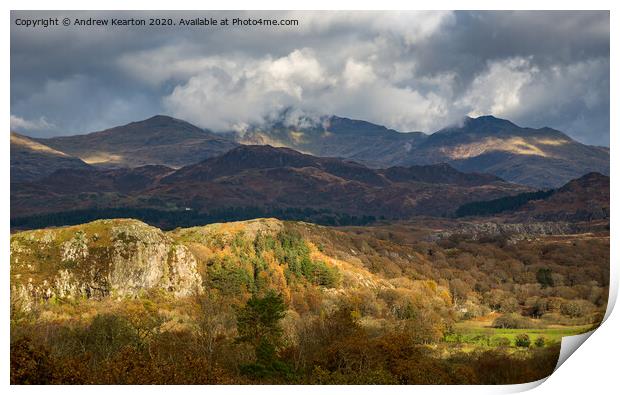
[(410, 71)]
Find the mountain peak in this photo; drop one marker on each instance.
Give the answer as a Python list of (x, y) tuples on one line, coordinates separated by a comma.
[(163, 118), (164, 121), (262, 156), (485, 121), (160, 139)]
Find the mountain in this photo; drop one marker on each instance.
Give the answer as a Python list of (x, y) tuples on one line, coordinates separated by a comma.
[(265, 180), (441, 173), (541, 158), (159, 140), (332, 136), (584, 199), (31, 160), (74, 189), (266, 176)]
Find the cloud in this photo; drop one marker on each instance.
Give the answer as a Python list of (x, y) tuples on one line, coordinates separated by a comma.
[(226, 93), (498, 89), (519, 90), (406, 70), (21, 124), (229, 94)]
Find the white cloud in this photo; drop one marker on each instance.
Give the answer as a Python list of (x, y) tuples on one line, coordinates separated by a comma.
[(230, 94), (498, 89), (357, 74), (26, 125)]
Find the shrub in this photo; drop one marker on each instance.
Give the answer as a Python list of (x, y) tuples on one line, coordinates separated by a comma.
[(540, 342), (30, 364), (107, 334), (522, 340), (502, 342), (577, 308), (544, 277), (511, 321)]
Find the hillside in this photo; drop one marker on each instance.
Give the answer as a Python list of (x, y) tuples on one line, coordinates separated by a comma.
[(159, 140), (541, 158), (118, 301), (332, 136), (584, 199), (265, 181), (31, 160)]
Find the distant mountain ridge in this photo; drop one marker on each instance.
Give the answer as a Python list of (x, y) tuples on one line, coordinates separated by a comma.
[(542, 158), (31, 160), (583, 199), (159, 140), (333, 136), (266, 178)]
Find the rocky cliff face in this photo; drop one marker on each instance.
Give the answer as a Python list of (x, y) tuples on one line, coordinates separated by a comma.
[(512, 231), (117, 258)]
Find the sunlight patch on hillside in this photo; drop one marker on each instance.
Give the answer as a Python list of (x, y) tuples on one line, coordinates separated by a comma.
[(554, 142), (33, 145), (102, 157), (515, 145)]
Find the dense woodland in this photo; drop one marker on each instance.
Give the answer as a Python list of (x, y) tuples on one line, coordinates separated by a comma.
[(170, 219), (500, 205)]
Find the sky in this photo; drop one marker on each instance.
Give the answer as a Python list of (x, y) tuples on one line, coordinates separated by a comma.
[(410, 71)]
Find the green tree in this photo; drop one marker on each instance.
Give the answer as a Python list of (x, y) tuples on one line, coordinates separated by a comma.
[(258, 323), (544, 277)]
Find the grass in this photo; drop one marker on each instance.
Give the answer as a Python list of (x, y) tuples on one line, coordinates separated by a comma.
[(481, 333)]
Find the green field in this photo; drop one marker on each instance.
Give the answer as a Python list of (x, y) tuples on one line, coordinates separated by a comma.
[(480, 333)]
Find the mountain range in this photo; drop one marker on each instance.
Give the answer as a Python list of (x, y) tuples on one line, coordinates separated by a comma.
[(264, 178), (539, 158), (322, 169)]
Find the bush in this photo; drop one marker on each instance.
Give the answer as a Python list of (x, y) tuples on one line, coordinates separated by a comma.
[(30, 364), (544, 277), (107, 334), (575, 308), (540, 342), (522, 340), (512, 321)]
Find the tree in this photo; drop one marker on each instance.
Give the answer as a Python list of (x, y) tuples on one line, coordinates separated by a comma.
[(258, 323), (259, 320), (544, 277)]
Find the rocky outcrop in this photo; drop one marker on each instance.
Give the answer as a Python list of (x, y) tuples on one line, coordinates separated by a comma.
[(512, 231), (108, 258)]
